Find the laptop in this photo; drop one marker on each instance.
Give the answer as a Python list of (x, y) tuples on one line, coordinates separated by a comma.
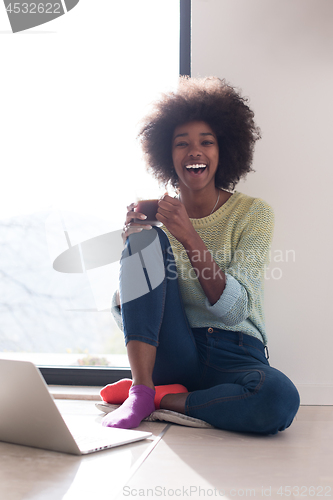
[(30, 417)]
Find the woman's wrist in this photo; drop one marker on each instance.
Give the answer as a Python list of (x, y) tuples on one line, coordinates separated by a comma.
[(211, 277), (192, 241)]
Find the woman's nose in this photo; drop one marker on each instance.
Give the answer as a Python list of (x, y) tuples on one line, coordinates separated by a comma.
[(194, 151)]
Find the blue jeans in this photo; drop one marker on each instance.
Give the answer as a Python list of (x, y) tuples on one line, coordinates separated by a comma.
[(231, 384)]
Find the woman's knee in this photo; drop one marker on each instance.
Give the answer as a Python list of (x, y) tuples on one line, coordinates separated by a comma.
[(164, 240), (279, 404)]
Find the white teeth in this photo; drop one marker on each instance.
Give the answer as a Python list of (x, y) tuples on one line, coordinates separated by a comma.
[(196, 166)]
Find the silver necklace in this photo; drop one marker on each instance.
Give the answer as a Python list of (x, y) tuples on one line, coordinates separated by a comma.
[(218, 198), (216, 203)]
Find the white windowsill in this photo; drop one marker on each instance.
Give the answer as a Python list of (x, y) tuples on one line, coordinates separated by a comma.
[(75, 392)]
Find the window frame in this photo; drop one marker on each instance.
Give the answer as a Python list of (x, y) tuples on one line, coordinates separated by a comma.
[(100, 376)]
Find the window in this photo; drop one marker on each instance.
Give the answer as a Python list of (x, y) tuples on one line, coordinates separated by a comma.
[(71, 101)]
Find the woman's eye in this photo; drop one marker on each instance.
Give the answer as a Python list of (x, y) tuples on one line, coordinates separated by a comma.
[(181, 144), (207, 143)]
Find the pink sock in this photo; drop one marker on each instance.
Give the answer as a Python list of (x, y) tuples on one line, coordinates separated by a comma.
[(138, 405)]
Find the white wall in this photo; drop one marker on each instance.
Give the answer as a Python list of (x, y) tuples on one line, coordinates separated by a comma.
[(280, 53)]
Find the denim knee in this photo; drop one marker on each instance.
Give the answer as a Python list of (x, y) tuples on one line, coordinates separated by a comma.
[(164, 240), (278, 406)]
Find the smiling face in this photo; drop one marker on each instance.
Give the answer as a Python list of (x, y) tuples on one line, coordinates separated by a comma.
[(195, 155)]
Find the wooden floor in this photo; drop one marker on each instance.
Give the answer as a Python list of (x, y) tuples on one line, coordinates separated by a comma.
[(180, 462)]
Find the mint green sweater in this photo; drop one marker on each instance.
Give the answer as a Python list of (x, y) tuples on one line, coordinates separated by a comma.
[(238, 235)]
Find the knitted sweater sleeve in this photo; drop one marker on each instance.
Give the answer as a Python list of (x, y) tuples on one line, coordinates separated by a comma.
[(246, 272)]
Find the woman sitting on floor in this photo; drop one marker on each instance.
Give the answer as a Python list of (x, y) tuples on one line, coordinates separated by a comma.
[(196, 337)]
